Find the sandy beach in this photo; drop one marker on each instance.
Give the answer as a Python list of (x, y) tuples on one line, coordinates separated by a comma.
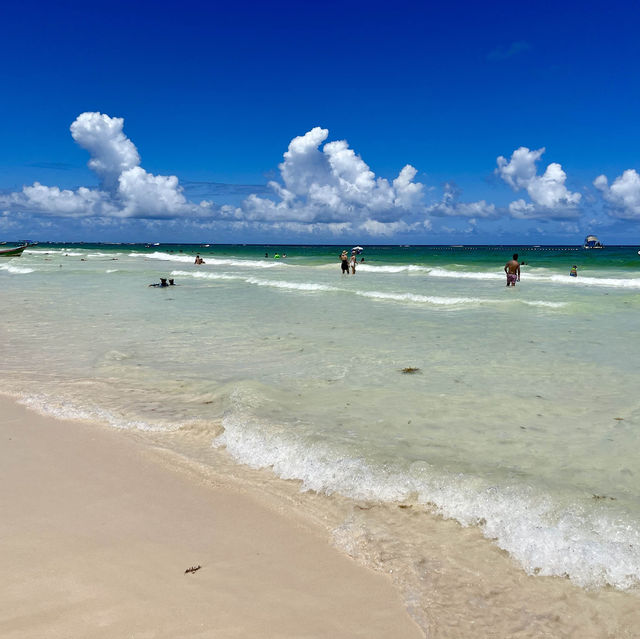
[(97, 534)]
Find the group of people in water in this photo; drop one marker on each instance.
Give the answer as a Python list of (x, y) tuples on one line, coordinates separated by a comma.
[(349, 263), (512, 269)]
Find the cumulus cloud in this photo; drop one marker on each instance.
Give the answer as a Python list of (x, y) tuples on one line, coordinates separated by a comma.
[(449, 206), (111, 151), (323, 186), (333, 185), (126, 189), (623, 196), (549, 196)]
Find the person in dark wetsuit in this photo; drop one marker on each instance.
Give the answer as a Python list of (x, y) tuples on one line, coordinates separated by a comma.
[(344, 258)]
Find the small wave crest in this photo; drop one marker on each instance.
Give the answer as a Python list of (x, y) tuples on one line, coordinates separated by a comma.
[(62, 409), (315, 287), (610, 282), (543, 303), (424, 299), (211, 261), (593, 547), (408, 268), (15, 270)]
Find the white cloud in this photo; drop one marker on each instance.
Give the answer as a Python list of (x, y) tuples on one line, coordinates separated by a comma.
[(623, 196), (145, 195), (550, 198), (111, 151), (334, 186), (126, 189), (449, 206), (387, 229), (64, 203)]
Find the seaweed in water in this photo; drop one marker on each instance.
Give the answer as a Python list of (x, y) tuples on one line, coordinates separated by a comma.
[(410, 369)]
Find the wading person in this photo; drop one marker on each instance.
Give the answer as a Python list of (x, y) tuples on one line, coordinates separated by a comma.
[(512, 269)]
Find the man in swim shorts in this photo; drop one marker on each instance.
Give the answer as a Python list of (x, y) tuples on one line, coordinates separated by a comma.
[(512, 269)]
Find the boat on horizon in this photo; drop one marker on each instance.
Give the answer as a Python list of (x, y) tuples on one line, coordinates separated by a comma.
[(592, 242)]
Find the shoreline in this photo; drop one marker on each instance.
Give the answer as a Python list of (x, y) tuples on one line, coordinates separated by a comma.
[(371, 583), (99, 533)]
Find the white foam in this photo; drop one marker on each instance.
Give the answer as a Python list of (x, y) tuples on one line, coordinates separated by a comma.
[(407, 268), (593, 547), (16, 270), (103, 254), (424, 299), (409, 298), (209, 261), (62, 409), (466, 275), (543, 304), (292, 286), (610, 282), (206, 275), (52, 251)]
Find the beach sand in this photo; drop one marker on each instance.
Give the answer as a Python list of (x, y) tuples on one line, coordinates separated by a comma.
[(97, 533)]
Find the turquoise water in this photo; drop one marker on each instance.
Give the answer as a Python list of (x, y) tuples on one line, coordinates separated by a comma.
[(522, 419)]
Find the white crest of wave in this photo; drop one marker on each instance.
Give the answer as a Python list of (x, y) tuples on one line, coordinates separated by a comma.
[(408, 268), (167, 257), (468, 275), (103, 254), (211, 261), (16, 270), (611, 282), (294, 286), (63, 409), (594, 548), (425, 299), (206, 275), (543, 304)]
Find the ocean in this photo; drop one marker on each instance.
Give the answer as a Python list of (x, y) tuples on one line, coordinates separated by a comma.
[(419, 384)]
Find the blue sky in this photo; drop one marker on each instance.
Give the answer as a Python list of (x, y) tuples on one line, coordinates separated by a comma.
[(320, 122)]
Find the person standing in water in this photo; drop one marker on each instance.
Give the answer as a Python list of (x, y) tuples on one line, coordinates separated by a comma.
[(344, 259), (574, 271), (512, 269), (353, 263)]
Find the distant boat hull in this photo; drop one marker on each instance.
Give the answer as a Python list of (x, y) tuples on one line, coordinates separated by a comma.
[(12, 252)]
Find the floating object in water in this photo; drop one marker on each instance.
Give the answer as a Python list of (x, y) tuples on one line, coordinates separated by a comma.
[(592, 242)]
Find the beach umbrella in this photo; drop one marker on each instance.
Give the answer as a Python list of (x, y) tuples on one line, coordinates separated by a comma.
[(357, 249)]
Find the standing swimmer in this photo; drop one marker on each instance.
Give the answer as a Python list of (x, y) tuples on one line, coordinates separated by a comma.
[(344, 259), (574, 271), (353, 263), (512, 269)]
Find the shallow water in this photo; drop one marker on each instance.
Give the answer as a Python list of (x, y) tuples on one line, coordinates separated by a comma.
[(523, 419)]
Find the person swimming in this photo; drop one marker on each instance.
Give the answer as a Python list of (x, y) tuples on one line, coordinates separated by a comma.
[(574, 271)]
